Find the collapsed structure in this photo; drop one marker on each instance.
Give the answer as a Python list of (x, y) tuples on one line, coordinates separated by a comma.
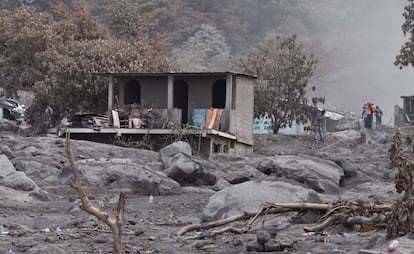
[(214, 110), (10, 109), (404, 115)]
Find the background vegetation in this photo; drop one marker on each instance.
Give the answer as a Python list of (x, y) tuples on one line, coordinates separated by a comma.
[(53, 46)]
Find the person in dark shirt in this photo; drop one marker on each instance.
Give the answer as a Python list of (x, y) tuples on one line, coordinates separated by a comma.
[(317, 120), (378, 117)]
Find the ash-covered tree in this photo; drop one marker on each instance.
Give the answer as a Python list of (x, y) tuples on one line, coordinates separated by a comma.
[(81, 46), (24, 33), (283, 71), (406, 55)]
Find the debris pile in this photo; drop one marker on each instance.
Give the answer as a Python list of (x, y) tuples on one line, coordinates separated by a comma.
[(11, 109)]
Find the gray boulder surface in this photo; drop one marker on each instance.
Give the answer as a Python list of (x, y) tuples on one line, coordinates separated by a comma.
[(40, 173), (324, 176), (179, 166), (166, 153), (121, 173), (7, 151), (347, 166), (250, 196), (221, 184), (39, 194), (6, 167), (243, 173), (18, 181)]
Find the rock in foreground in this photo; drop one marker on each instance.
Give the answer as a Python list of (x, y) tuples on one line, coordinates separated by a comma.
[(250, 196)]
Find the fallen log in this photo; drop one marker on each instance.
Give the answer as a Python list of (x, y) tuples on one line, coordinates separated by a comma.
[(334, 212)]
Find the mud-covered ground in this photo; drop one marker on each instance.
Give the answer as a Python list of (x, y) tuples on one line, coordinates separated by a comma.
[(29, 226)]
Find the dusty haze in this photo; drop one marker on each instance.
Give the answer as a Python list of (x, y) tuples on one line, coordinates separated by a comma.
[(357, 41)]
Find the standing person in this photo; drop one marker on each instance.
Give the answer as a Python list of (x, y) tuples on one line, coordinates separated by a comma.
[(378, 116), (317, 120), (369, 116), (373, 107), (365, 115)]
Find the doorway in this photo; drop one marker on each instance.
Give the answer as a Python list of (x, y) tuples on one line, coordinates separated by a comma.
[(132, 92), (219, 94), (181, 99)]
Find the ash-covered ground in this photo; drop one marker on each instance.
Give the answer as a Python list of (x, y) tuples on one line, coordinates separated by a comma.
[(40, 212)]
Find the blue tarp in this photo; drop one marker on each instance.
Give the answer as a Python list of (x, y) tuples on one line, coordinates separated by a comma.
[(199, 117)]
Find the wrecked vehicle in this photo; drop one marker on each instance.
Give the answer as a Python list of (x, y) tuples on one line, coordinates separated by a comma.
[(11, 109)]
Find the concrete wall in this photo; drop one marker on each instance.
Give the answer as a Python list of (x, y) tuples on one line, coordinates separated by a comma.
[(153, 91), (242, 149), (241, 116), (200, 91)]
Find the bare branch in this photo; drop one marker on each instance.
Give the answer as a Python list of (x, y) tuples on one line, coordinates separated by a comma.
[(114, 223), (276, 208)]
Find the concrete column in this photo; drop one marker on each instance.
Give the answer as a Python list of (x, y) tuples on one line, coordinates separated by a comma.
[(170, 97), (229, 90), (121, 93), (110, 93)]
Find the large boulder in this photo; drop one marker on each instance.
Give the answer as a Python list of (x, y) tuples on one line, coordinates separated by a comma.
[(349, 169), (40, 173), (6, 167), (169, 151), (324, 176), (250, 196), (183, 169), (178, 164), (243, 174), (18, 181), (122, 173), (7, 151)]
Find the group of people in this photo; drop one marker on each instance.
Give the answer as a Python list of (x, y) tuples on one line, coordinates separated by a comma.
[(369, 112)]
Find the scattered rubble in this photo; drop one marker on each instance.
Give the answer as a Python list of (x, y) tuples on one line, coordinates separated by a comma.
[(355, 171)]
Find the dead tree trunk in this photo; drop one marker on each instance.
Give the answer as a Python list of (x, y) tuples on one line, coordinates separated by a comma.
[(334, 212), (114, 224)]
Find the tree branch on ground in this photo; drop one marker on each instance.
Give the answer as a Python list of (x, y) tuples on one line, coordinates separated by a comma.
[(341, 211), (114, 224)]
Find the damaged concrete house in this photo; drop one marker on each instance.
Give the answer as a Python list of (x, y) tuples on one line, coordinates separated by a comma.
[(212, 110)]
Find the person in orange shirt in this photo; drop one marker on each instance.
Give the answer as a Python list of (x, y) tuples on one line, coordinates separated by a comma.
[(370, 115)]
